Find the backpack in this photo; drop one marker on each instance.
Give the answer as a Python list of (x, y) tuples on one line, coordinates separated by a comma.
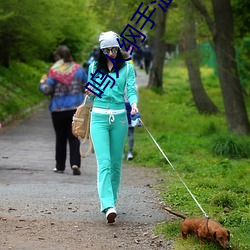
[(81, 126)]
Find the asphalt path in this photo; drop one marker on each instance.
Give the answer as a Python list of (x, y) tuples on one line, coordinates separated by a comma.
[(26, 164), (31, 190)]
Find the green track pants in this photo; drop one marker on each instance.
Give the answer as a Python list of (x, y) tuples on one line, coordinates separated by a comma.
[(108, 133)]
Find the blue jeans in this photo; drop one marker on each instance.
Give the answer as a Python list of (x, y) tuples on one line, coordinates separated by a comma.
[(108, 139)]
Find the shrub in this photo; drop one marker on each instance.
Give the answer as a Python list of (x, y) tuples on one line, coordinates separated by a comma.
[(231, 146), (224, 200)]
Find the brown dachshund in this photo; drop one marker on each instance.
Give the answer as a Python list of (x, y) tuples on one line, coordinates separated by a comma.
[(204, 229)]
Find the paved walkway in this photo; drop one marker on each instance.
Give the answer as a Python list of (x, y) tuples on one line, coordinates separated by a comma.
[(29, 189), (27, 158), (26, 163), (141, 78)]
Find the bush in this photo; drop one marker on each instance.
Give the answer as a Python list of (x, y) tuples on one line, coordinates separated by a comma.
[(19, 88), (224, 200), (231, 146)]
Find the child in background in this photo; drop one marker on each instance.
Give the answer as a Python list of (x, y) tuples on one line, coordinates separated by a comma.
[(130, 133), (130, 127)]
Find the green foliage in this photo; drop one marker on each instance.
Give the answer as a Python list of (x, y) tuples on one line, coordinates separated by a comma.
[(175, 18), (210, 129), (19, 87), (243, 60), (219, 183), (170, 230), (29, 33), (119, 12), (231, 146), (241, 17), (223, 200)]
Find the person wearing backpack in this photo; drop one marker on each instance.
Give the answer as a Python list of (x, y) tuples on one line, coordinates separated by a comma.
[(109, 124), (65, 84)]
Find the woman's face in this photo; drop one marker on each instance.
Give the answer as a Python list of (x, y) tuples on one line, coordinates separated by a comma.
[(111, 52)]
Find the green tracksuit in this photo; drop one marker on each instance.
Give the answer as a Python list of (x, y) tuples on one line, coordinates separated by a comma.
[(109, 130)]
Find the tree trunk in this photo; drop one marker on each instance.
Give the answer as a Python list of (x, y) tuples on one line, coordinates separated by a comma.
[(201, 99), (223, 37), (235, 109), (159, 50)]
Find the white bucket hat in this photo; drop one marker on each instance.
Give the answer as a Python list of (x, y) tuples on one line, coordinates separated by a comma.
[(108, 39)]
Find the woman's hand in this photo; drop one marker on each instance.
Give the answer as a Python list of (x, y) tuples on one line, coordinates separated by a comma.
[(43, 79), (134, 109), (89, 93)]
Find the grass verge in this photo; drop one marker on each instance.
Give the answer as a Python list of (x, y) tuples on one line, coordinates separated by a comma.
[(214, 164), (19, 89)]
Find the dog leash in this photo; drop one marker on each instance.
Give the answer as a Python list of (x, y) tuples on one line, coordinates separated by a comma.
[(174, 170)]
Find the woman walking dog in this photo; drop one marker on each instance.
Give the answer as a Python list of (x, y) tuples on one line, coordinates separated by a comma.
[(109, 123)]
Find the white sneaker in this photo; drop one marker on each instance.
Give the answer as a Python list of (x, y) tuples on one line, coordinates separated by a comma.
[(76, 170), (58, 171), (130, 156), (111, 214)]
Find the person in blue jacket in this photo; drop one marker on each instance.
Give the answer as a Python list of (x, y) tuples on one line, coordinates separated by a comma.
[(109, 124), (65, 84)]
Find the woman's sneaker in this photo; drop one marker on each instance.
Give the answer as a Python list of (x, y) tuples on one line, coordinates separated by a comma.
[(76, 170), (111, 214)]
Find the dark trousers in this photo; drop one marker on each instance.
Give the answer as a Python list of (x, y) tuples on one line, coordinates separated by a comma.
[(130, 139), (147, 65), (62, 122), (130, 129)]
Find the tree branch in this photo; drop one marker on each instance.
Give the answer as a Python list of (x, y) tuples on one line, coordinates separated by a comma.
[(202, 9)]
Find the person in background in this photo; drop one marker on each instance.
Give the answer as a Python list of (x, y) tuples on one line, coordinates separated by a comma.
[(147, 54), (128, 109), (109, 125), (93, 55), (65, 84), (130, 133), (138, 56)]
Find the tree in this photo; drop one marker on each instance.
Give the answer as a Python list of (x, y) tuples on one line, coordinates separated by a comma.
[(28, 33), (242, 33), (159, 48), (241, 17), (23, 33), (201, 99), (223, 37), (111, 14)]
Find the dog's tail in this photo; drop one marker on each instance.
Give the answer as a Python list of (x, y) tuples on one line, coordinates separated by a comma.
[(175, 213)]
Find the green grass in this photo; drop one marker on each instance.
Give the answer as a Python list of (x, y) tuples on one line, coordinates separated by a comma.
[(214, 164), (19, 87)]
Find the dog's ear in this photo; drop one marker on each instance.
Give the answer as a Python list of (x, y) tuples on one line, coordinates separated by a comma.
[(214, 235), (228, 237)]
